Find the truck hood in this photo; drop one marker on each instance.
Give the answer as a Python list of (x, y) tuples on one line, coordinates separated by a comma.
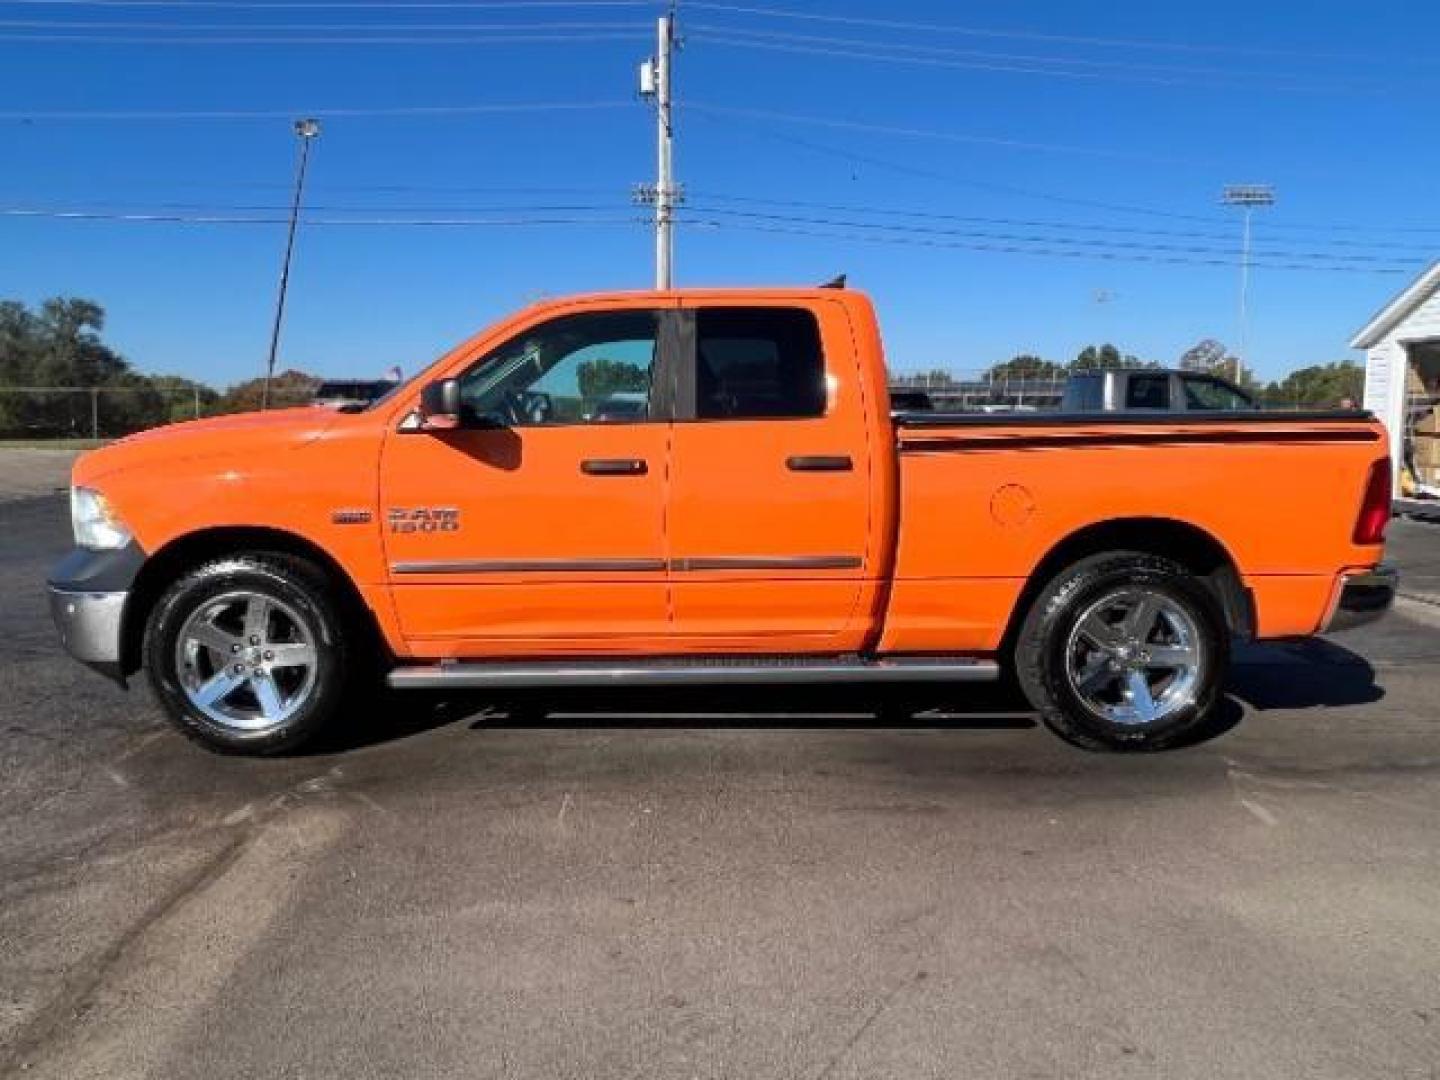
[(242, 434)]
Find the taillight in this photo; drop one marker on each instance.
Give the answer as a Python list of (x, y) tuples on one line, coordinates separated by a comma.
[(1375, 507)]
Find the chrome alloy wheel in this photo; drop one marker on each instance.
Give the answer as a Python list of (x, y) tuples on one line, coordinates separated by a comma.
[(1134, 657), (246, 661)]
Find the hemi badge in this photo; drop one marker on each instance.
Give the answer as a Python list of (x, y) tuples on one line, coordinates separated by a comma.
[(350, 517)]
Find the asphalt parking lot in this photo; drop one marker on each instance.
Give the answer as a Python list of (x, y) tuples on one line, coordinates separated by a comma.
[(620, 890)]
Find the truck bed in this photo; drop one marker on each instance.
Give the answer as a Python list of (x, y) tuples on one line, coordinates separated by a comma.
[(984, 500)]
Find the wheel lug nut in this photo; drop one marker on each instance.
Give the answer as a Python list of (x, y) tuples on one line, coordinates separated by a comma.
[(235, 647), (269, 656), (254, 639), (239, 669)]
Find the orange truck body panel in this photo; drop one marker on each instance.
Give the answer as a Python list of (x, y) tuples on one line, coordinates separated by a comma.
[(925, 546)]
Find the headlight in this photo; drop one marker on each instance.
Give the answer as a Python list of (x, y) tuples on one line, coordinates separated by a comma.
[(94, 521)]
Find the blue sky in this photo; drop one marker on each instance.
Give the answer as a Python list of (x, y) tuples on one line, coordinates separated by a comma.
[(1043, 125)]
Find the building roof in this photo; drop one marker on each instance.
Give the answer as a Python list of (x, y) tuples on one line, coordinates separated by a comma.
[(1399, 309)]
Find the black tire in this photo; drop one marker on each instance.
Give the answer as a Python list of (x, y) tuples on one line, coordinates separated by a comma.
[(296, 589), (1043, 649)]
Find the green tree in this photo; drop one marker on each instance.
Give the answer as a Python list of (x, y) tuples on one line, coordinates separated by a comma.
[(1026, 366), (185, 399), (1207, 355), (59, 345), (286, 389), (599, 379), (1320, 386), (1093, 357)]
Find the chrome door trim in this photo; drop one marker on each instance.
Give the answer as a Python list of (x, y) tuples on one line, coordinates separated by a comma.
[(528, 566), (612, 566), (767, 562)]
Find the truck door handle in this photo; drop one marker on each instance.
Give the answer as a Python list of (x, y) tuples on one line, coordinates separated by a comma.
[(614, 467), (820, 463)]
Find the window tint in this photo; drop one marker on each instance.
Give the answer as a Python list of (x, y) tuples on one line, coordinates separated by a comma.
[(1148, 392), (581, 369), (758, 363), (1211, 395)]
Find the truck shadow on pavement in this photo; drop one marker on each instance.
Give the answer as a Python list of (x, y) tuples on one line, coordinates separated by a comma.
[(1311, 674), (1307, 674)]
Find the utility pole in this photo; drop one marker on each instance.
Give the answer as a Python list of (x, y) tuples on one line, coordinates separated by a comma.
[(1247, 197), (306, 131), (655, 83)]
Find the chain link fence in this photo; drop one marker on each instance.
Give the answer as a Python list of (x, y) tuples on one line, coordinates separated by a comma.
[(106, 412), (77, 412), (982, 392)]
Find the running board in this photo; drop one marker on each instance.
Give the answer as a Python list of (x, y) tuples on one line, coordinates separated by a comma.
[(755, 671)]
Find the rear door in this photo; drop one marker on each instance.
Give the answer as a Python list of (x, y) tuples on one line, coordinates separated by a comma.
[(770, 487)]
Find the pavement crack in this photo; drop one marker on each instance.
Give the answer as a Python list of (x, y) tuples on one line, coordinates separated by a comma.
[(80, 988), (843, 1051)]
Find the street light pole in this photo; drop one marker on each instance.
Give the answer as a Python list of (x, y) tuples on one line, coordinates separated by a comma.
[(306, 130), (1247, 197)]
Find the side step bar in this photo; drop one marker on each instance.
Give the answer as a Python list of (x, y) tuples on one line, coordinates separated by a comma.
[(755, 671)]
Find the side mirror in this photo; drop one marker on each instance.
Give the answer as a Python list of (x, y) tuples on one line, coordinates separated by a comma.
[(440, 405)]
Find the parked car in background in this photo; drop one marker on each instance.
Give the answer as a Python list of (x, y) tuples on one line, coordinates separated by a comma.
[(350, 393), (1152, 390), (620, 407)]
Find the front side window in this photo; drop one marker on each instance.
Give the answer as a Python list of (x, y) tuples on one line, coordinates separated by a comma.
[(758, 363), (580, 369), (1211, 395), (1148, 392)]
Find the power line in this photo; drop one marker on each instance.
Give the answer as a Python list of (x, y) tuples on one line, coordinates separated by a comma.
[(925, 133), (275, 114), (1101, 227), (84, 24), (1040, 246), (1081, 242), (876, 52), (743, 119), (965, 181), (491, 39), (1019, 35), (1019, 249), (107, 205), (983, 54), (229, 219), (337, 5)]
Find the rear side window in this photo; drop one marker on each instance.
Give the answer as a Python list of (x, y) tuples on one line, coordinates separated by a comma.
[(1211, 395), (757, 364), (1148, 392)]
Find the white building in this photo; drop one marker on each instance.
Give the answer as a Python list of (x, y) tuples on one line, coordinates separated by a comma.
[(1402, 357)]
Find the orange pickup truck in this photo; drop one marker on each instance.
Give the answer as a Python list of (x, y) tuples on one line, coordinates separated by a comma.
[(707, 486)]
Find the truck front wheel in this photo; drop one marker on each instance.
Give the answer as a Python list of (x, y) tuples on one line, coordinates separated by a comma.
[(247, 654), (1124, 651)]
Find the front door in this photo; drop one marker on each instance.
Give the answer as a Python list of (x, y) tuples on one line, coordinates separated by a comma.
[(770, 481), (538, 526)]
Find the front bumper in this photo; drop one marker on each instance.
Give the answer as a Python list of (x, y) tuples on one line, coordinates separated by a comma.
[(1363, 597), (88, 590), (89, 625)]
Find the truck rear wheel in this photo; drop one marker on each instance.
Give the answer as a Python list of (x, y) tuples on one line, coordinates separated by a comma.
[(1124, 651), (247, 654)]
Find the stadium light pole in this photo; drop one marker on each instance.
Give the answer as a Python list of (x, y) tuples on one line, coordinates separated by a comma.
[(306, 131), (1247, 197)]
